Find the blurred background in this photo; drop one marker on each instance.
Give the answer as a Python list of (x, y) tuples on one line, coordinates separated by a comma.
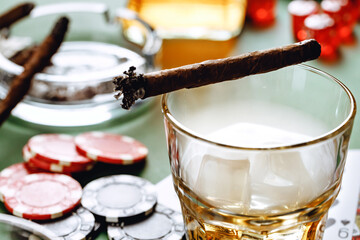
[(197, 30)]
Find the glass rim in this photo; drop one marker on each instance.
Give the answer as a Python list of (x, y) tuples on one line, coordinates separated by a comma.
[(332, 133)]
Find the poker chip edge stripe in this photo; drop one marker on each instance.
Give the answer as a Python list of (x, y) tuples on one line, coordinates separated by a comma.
[(54, 160), (52, 167), (107, 159)]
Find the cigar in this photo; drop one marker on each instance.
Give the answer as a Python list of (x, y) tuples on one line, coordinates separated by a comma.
[(15, 14), (134, 86), (36, 63), (22, 56)]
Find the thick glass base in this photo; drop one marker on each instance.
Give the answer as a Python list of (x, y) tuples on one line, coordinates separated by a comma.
[(205, 222)]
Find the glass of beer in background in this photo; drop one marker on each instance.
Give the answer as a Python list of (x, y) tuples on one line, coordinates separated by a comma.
[(261, 157), (193, 30)]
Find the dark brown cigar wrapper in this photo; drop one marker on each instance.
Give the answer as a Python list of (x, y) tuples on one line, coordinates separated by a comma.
[(214, 71)]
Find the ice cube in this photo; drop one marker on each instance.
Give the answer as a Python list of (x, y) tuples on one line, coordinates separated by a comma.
[(245, 134), (190, 155), (320, 161), (224, 182), (246, 181), (279, 181)]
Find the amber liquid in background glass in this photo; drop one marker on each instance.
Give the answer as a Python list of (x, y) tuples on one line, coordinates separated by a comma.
[(179, 52), (193, 30)]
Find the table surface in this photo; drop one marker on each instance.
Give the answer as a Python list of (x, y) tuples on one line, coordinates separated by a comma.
[(148, 125)]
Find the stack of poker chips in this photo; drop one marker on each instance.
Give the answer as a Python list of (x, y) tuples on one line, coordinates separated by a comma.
[(128, 206), (42, 189), (67, 154)]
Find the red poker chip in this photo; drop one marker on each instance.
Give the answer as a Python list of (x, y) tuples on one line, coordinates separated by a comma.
[(52, 167), (12, 174), (56, 148), (43, 196), (110, 148)]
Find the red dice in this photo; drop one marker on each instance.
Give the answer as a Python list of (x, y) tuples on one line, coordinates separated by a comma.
[(322, 28), (261, 12), (299, 10), (345, 14)]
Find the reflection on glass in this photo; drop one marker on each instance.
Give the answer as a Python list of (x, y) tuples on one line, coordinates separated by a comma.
[(259, 158)]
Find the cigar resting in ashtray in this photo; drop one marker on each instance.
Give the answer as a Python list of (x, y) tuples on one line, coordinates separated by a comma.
[(11, 16), (132, 86), (38, 60), (15, 14)]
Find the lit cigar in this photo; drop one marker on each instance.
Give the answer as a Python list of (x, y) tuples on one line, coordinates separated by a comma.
[(134, 86)]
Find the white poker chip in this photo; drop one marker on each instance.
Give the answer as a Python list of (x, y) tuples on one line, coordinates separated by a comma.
[(77, 226), (163, 224), (120, 198)]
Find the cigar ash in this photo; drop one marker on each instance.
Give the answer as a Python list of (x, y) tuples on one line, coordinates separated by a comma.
[(130, 86)]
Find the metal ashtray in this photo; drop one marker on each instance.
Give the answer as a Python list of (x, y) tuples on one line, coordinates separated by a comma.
[(12, 227), (77, 89)]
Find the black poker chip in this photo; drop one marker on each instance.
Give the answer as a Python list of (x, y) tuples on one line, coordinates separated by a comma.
[(77, 226), (120, 198), (164, 224)]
